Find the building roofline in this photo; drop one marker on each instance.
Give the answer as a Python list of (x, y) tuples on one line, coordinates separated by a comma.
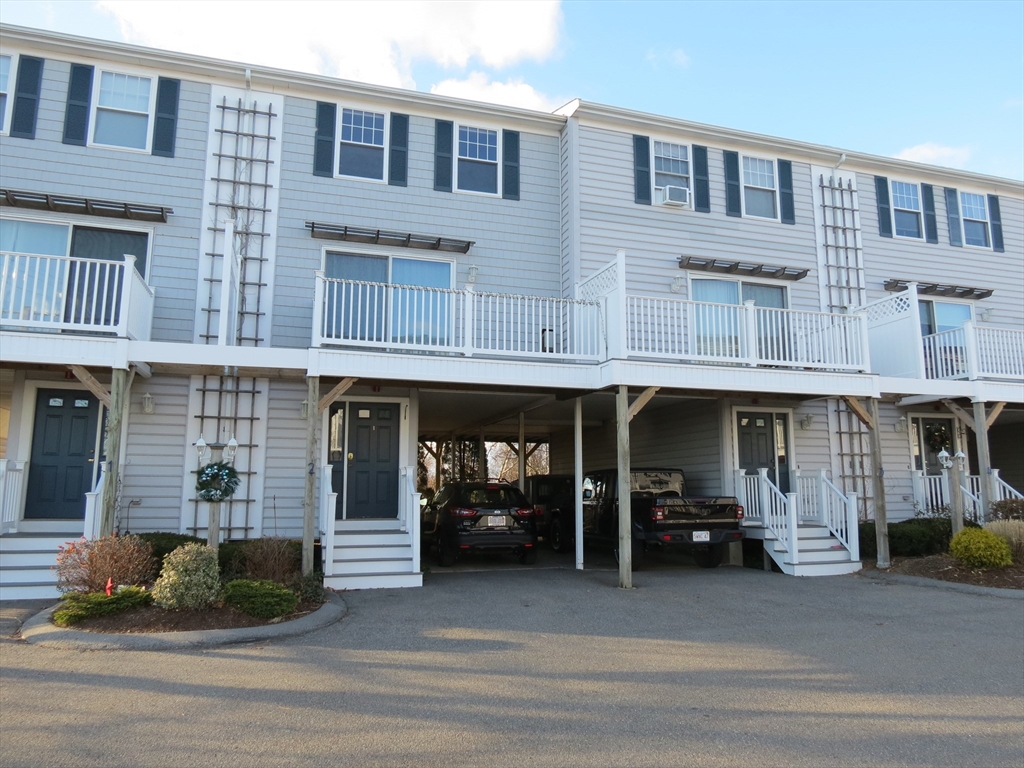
[(262, 77), (823, 155)]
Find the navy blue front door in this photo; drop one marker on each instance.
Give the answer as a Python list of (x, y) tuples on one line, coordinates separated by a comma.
[(372, 462), (63, 454)]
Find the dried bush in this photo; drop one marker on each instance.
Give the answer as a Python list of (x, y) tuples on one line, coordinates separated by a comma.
[(262, 599), (978, 548), (1012, 532), (309, 589), (1007, 509), (189, 580), (86, 565), (272, 559), (85, 605)]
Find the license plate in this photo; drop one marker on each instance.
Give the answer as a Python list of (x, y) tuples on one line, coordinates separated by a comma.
[(496, 521), (702, 535)]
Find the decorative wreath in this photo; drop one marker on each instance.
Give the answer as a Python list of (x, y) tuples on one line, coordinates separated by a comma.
[(217, 481), (938, 438)]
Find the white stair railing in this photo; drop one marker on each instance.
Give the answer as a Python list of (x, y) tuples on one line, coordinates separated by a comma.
[(931, 492), (93, 502), (1004, 490), (779, 514), (839, 515), (972, 499), (999, 352), (328, 505), (409, 511), (748, 496), (12, 474), (808, 486)]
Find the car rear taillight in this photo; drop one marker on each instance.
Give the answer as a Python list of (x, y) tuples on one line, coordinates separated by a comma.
[(657, 513), (524, 511), (739, 512), (463, 512), (538, 510)]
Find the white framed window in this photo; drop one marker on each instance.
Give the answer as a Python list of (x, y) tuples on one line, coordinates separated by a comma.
[(941, 316), (906, 210), (477, 161), (671, 165), (362, 139), (122, 111), (974, 218), (8, 64), (760, 188)]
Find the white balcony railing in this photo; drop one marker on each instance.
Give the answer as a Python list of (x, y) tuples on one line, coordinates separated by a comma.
[(59, 293), (12, 478)]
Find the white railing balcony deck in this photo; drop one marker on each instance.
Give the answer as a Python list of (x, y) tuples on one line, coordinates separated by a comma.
[(60, 293), (694, 331), (466, 322)]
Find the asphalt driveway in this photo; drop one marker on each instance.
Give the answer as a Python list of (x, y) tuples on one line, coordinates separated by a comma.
[(547, 666)]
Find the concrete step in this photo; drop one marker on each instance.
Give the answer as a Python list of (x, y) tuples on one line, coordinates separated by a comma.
[(371, 538), (370, 551), (342, 526), (376, 565), (825, 556), (826, 569), (374, 581)]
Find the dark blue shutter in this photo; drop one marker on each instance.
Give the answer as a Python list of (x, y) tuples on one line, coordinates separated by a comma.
[(931, 227), (732, 183), (165, 123), (786, 205), (953, 217), (642, 170), (701, 181), (398, 160), (76, 114), (997, 223), (443, 155), (26, 97), (323, 144), (510, 165), (884, 209)]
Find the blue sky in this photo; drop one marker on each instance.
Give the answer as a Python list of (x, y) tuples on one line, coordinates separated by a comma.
[(936, 82)]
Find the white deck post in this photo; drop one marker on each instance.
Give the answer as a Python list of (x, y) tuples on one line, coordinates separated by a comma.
[(984, 460), (522, 451), (625, 507), (578, 468), (319, 321), (749, 317), (468, 319), (822, 497), (971, 349), (793, 514), (853, 525), (127, 282)]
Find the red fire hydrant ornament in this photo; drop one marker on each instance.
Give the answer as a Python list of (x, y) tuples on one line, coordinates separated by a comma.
[(110, 585)]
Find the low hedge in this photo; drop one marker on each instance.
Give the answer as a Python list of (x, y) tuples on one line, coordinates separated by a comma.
[(262, 599), (78, 606), (978, 548), (165, 543), (916, 537)]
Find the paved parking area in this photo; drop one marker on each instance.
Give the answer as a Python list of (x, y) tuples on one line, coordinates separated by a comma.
[(547, 666)]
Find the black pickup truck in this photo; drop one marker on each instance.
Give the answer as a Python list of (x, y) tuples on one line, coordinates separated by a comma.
[(663, 516)]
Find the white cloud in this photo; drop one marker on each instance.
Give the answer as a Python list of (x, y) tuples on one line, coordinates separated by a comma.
[(937, 154), (675, 57), (512, 93), (370, 42)]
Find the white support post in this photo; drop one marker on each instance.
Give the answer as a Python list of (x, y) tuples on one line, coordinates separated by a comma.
[(319, 302), (625, 537), (762, 494), (956, 498), (971, 344), (984, 460), (822, 497), (620, 297), (578, 468), (127, 282), (750, 332), (865, 342), (793, 514), (468, 320), (522, 451), (915, 312), (853, 525)]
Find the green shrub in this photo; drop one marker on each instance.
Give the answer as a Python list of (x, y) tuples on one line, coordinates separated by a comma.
[(978, 548), (1011, 531), (87, 565), (165, 543), (1007, 509), (190, 579), (262, 599), (916, 537), (309, 589), (78, 606)]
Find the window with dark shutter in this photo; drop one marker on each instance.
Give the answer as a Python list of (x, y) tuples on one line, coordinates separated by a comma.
[(166, 123), (931, 227), (76, 113), (884, 209), (997, 224), (787, 206), (701, 180), (443, 131), (953, 217), (732, 183), (323, 144), (510, 165), (398, 161), (642, 170), (26, 97)]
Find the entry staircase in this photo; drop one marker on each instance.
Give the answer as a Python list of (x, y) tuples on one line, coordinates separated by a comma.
[(28, 557), (371, 554), (812, 532)]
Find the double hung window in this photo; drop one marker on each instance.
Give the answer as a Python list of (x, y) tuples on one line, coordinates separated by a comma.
[(671, 165), (906, 209), (124, 109), (478, 160), (6, 67), (759, 188), (975, 219), (361, 148)]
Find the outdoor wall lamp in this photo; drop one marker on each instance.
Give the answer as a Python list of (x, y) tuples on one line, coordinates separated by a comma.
[(473, 271), (678, 283), (148, 404), (202, 448), (230, 449), (986, 315), (901, 424), (304, 409), (807, 421)]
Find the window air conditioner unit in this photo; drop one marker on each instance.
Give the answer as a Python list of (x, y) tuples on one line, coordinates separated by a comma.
[(677, 196)]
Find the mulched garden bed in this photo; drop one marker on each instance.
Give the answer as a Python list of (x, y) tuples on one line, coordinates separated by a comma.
[(153, 619), (945, 568)]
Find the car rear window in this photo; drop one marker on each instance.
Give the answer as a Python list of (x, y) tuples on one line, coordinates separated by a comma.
[(546, 489), (492, 497)]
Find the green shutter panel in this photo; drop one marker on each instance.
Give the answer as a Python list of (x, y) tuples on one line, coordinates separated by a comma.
[(931, 227), (642, 170), (997, 224), (953, 217), (443, 130), (701, 180), (884, 209), (510, 165), (76, 113), (323, 143), (787, 206), (732, 183), (398, 160), (26, 97), (165, 125)]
